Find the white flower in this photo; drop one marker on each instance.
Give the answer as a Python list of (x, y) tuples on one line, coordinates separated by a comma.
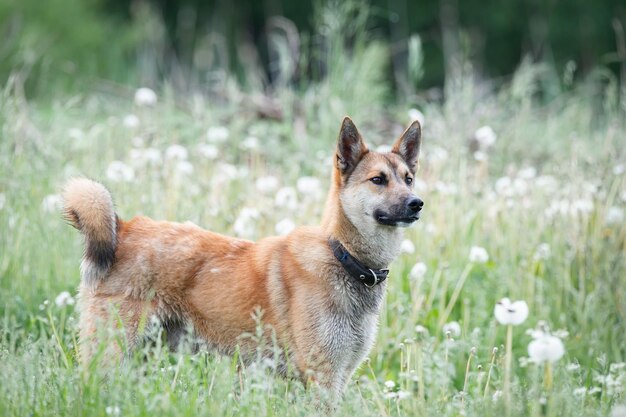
[(478, 255), (545, 348), (527, 173), (184, 167), (418, 271), (64, 299), (131, 121), (145, 97), (407, 246), (148, 156), (485, 136), (582, 206), (176, 152), (614, 216), (415, 114), (419, 329), (286, 198), (572, 367), (217, 134), (579, 392), (507, 312), (542, 252), (390, 384), (3, 200), (52, 203), (266, 184), (112, 410), (245, 222), (618, 411), (309, 186), (250, 143), (619, 169), (284, 227), (208, 151), (118, 171), (496, 396), (75, 133), (454, 328)]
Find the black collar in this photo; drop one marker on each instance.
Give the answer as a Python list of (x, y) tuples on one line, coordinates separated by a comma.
[(368, 276)]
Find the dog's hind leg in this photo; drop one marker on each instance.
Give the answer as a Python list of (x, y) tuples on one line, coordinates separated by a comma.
[(109, 326)]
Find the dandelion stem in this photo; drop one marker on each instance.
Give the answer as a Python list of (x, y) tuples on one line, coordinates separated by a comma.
[(467, 369), (547, 377), (455, 293), (493, 360), (507, 369)]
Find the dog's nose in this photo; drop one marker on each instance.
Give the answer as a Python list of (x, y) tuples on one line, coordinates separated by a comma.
[(415, 204)]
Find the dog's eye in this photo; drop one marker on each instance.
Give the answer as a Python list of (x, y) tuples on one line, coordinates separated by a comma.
[(408, 180), (378, 180)]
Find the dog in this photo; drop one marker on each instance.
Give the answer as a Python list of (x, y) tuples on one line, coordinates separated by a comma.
[(319, 289)]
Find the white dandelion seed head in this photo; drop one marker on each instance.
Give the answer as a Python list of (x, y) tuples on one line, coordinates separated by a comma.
[(118, 171), (480, 156), (546, 348), (418, 271), (250, 143), (208, 151), (176, 152), (614, 216), (184, 168), (52, 203), (485, 136), (619, 169), (527, 173), (407, 246), (130, 121), (145, 97), (245, 224), (217, 134), (542, 252), (389, 384), (437, 155), (284, 227), (478, 255), (580, 392), (148, 156), (511, 313), (75, 133), (421, 330), (286, 197), (415, 114), (309, 187), (453, 328), (113, 410), (266, 184), (64, 299)]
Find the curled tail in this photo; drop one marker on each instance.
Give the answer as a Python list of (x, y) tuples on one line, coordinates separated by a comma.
[(88, 206)]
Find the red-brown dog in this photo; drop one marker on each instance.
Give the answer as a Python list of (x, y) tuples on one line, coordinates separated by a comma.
[(319, 288)]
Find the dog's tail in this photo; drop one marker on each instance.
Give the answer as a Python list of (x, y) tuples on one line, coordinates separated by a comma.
[(88, 206)]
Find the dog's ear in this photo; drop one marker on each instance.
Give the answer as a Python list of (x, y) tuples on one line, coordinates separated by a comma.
[(408, 145), (350, 147)]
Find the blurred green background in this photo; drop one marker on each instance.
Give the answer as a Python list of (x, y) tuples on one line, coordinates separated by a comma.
[(54, 45)]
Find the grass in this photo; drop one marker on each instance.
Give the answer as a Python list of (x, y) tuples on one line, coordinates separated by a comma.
[(553, 179)]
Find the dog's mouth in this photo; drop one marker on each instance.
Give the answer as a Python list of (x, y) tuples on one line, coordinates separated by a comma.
[(396, 221)]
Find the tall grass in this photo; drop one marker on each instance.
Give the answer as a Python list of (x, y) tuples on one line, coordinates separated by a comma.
[(546, 201)]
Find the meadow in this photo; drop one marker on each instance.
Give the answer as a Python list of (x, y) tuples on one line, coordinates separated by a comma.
[(525, 199)]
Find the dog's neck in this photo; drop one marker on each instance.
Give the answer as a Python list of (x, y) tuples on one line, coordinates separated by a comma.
[(376, 246)]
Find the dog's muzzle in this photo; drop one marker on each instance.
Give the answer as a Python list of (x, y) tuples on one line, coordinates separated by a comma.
[(402, 215)]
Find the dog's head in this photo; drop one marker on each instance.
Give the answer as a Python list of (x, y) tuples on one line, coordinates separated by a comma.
[(377, 187)]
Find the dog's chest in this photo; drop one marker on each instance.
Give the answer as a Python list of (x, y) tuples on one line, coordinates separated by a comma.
[(350, 320)]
